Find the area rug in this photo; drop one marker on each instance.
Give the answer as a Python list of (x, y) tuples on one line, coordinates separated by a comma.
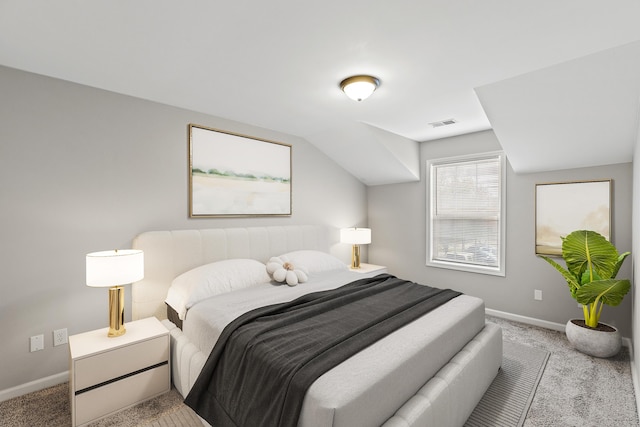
[(183, 416), (507, 401)]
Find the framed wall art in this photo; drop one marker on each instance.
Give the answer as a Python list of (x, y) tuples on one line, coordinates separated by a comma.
[(568, 206), (237, 175)]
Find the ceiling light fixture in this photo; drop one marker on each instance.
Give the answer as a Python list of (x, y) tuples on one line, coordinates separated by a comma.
[(359, 87)]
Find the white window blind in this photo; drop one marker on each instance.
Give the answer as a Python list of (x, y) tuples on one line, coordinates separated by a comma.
[(466, 213)]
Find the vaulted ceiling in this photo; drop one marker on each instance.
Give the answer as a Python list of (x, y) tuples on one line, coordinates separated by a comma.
[(559, 82)]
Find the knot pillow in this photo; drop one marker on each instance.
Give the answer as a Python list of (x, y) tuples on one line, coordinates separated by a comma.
[(283, 271)]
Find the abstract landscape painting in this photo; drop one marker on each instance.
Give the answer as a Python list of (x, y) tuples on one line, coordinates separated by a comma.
[(565, 207), (237, 175)]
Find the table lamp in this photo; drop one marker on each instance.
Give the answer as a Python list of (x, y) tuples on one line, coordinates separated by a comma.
[(356, 237), (113, 269)]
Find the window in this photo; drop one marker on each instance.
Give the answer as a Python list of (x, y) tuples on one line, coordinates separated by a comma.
[(466, 220)]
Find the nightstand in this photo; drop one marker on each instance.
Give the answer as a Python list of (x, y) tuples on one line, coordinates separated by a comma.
[(107, 374), (370, 269)]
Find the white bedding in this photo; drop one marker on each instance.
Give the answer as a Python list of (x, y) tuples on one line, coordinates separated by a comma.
[(206, 320), (368, 388)]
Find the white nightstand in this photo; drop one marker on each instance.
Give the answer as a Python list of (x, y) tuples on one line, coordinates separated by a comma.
[(107, 375), (370, 268)]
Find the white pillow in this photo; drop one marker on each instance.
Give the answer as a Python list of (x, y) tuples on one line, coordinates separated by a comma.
[(315, 261), (212, 279)]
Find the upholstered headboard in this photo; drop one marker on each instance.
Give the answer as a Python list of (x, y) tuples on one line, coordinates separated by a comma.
[(168, 254)]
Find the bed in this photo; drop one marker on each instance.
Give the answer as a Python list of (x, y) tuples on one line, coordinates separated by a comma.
[(431, 372)]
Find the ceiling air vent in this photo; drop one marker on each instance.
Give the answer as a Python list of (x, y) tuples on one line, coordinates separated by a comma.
[(442, 123)]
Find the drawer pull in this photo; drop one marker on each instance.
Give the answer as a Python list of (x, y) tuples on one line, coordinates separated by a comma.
[(113, 380)]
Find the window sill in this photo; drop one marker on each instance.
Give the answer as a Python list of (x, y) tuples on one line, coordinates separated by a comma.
[(492, 271)]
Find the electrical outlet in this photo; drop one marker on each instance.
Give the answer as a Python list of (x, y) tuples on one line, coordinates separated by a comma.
[(537, 295), (37, 343), (60, 336)]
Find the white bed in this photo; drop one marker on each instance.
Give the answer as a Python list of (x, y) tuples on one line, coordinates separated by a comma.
[(432, 372)]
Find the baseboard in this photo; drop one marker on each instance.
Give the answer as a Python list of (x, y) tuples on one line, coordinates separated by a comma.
[(524, 319), (32, 386), (560, 327)]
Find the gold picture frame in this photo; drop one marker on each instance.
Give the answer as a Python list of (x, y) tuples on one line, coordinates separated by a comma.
[(234, 175), (563, 207)]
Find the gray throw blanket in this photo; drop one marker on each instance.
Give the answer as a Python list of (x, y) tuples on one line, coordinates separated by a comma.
[(265, 360)]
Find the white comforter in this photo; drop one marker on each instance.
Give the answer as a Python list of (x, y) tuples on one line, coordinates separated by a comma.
[(367, 388)]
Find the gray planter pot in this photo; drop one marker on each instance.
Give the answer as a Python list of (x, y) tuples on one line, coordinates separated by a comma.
[(594, 342)]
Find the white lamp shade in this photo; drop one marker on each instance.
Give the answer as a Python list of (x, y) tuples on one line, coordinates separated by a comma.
[(355, 236), (114, 268)]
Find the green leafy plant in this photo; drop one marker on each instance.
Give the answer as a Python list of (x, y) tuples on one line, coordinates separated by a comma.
[(592, 263)]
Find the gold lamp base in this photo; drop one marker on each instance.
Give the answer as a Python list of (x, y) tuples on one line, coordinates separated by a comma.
[(116, 311), (355, 257)]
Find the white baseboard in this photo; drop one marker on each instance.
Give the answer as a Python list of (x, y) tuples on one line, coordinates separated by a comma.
[(32, 386), (544, 324), (524, 319)]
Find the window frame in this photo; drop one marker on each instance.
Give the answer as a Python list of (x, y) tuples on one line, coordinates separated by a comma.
[(461, 266)]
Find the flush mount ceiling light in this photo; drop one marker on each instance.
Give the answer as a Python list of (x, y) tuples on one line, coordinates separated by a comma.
[(359, 87)]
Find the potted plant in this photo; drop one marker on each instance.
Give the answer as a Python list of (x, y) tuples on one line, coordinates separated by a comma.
[(592, 263)]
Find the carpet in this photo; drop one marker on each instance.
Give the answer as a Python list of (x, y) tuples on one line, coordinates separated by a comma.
[(507, 401), (505, 404)]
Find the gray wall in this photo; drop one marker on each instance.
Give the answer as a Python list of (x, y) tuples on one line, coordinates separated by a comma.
[(83, 170), (398, 221), (636, 262)]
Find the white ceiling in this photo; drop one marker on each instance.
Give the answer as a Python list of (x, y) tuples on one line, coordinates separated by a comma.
[(547, 76)]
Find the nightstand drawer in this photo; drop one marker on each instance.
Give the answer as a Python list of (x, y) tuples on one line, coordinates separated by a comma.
[(110, 398), (121, 361)]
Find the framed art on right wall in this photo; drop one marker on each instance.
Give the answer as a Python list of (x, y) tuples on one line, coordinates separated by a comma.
[(568, 206)]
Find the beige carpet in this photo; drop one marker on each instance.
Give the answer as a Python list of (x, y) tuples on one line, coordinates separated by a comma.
[(50, 407)]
